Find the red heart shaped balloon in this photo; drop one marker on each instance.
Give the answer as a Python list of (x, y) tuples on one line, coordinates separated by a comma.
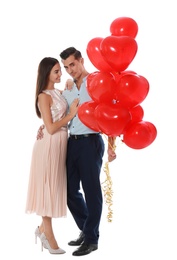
[(95, 56), (137, 114), (140, 135), (112, 119), (101, 86), (124, 26), (86, 115), (131, 89), (118, 51)]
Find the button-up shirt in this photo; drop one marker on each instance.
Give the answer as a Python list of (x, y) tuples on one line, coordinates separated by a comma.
[(76, 127)]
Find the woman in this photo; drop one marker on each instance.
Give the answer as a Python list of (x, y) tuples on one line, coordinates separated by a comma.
[(47, 181)]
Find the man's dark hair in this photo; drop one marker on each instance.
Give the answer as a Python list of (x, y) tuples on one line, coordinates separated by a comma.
[(71, 51)]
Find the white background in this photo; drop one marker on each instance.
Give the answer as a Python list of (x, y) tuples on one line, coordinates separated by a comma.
[(144, 207)]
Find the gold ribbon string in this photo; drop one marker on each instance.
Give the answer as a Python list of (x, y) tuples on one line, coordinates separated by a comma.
[(107, 185), (108, 192)]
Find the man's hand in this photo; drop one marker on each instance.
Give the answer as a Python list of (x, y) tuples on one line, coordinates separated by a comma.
[(111, 149), (40, 133), (111, 155)]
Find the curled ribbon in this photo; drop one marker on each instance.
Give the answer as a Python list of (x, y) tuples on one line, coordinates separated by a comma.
[(108, 192), (107, 186)]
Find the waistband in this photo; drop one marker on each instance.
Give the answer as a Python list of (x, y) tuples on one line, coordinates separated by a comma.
[(82, 136)]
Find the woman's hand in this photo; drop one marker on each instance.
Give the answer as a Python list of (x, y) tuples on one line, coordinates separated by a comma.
[(40, 133), (74, 107), (69, 84)]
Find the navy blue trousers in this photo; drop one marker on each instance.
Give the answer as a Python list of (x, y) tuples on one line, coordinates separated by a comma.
[(84, 193)]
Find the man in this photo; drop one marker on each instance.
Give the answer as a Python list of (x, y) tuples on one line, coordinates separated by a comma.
[(84, 161)]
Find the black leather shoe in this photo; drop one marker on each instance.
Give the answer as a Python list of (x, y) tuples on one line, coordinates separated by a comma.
[(78, 241), (85, 249)]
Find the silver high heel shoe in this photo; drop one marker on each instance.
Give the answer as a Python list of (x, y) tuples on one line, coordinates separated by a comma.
[(37, 235), (45, 243)]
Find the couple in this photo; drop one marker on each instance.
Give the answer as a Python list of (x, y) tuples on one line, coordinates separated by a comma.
[(82, 151)]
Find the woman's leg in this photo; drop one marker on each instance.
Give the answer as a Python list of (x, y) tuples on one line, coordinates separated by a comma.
[(48, 231), (41, 228)]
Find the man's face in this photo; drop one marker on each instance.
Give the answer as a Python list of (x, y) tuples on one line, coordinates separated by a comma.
[(73, 67)]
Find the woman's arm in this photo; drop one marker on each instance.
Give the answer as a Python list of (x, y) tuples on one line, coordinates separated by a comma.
[(45, 102)]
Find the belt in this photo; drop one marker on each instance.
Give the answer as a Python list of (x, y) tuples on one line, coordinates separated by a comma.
[(82, 136)]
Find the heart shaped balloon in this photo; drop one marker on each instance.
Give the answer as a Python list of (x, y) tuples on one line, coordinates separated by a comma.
[(86, 115), (137, 114), (140, 135), (112, 118), (101, 86), (124, 26), (118, 51), (95, 56), (131, 89)]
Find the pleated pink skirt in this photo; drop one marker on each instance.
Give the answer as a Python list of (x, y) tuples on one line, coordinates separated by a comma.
[(47, 189)]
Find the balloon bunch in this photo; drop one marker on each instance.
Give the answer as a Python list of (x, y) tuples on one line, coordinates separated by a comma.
[(117, 93)]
